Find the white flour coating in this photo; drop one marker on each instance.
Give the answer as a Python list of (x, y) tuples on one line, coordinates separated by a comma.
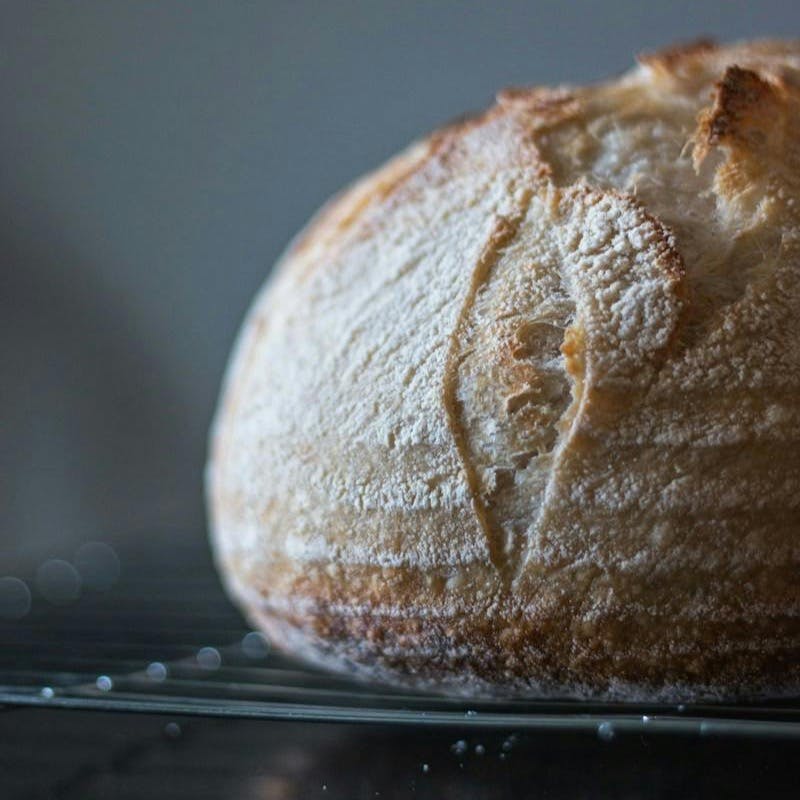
[(520, 412)]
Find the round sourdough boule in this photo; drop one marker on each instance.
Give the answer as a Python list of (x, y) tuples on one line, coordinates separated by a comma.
[(520, 411)]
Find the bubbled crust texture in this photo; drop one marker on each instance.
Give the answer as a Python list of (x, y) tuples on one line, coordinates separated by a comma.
[(519, 412)]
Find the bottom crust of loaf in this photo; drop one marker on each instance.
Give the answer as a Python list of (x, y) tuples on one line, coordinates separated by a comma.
[(471, 659)]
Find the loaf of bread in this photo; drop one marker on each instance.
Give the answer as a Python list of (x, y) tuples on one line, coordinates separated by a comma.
[(519, 412)]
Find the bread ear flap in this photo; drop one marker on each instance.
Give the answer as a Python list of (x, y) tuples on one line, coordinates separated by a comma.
[(752, 122), (627, 279)]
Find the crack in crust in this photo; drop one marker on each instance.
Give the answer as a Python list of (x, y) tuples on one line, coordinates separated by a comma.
[(504, 231)]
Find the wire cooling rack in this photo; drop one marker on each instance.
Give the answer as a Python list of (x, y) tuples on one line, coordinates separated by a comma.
[(163, 637)]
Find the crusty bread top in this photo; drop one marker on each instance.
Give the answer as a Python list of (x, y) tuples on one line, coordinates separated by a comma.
[(538, 379)]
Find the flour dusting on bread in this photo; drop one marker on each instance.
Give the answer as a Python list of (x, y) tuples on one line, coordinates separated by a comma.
[(519, 413)]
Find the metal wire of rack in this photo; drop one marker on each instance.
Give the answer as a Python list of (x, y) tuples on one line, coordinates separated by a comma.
[(165, 638)]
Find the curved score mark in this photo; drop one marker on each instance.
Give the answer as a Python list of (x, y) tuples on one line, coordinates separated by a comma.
[(503, 234)]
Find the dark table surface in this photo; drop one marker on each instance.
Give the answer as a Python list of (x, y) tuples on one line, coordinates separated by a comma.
[(88, 755)]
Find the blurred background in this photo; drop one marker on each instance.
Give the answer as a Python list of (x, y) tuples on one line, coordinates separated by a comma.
[(156, 157)]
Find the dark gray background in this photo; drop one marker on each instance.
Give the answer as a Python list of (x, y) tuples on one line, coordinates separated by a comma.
[(155, 157)]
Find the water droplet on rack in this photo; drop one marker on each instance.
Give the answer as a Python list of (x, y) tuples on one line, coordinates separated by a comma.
[(209, 658), (645, 719), (58, 582), (480, 750), (681, 708), (426, 768), (172, 730), (98, 565), (605, 731), (104, 683), (324, 787), (509, 743), (156, 671), (255, 645), (15, 598), (459, 748), (470, 713), (47, 692)]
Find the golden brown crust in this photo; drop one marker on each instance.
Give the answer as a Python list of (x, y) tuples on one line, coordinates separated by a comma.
[(671, 59), (742, 113), (519, 413)]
